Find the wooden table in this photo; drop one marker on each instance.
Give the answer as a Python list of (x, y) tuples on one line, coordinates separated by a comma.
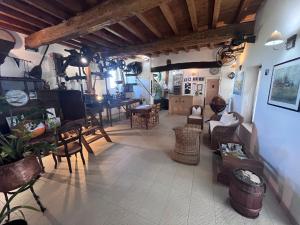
[(143, 110), (117, 103), (230, 162)]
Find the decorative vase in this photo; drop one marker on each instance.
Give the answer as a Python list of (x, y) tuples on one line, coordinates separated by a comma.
[(16, 174)]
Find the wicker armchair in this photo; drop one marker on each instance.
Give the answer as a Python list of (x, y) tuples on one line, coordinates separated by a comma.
[(187, 147), (195, 119), (220, 133)]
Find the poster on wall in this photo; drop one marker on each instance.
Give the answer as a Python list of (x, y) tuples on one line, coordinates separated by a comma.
[(238, 83), (187, 88), (177, 79), (285, 85)]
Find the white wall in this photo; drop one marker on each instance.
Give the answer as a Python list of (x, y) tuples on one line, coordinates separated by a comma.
[(278, 128), (205, 54), (145, 77), (10, 69)]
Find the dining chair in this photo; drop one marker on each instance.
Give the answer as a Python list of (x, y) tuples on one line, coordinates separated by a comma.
[(68, 141)]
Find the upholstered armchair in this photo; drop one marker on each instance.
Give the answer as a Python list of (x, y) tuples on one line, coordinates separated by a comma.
[(222, 132), (196, 115)]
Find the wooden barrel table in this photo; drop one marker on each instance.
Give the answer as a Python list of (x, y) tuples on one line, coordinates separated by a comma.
[(246, 196)]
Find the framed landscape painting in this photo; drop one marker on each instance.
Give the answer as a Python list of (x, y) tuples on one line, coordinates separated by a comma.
[(238, 83), (285, 85)]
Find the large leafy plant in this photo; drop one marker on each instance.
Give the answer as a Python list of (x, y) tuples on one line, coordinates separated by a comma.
[(16, 146)]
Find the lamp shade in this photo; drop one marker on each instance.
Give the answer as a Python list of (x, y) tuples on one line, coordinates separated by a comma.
[(276, 38)]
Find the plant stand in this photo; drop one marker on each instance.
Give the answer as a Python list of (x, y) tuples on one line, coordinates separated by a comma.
[(29, 186), (15, 175)]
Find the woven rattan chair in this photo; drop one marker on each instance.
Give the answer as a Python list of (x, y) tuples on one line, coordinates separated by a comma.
[(187, 147), (138, 120), (224, 133), (195, 119)]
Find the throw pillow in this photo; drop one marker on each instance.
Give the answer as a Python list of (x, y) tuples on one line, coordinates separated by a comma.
[(226, 118), (196, 111)]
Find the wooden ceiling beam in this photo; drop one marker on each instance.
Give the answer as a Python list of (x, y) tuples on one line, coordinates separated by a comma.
[(196, 38), (242, 7), (193, 13), (17, 23), (174, 50), (13, 28), (110, 37), (30, 11), (118, 34), (167, 52), (186, 49), (216, 13), (47, 7), (87, 42), (150, 26), (100, 41), (96, 18), (165, 9), (70, 44), (75, 6), (134, 30), (4, 10)]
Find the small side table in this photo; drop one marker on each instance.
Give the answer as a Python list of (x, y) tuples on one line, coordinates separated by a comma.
[(231, 162)]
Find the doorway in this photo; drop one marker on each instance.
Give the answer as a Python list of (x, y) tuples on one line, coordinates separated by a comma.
[(212, 89)]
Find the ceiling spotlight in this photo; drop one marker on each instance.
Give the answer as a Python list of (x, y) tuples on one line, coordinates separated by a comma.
[(276, 38), (83, 60)]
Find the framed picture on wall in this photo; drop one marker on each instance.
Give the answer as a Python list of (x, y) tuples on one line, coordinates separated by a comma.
[(238, 83), (187, 88), (285, 85)]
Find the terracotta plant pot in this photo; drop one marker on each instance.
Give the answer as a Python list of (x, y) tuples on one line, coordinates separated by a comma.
[(16, 222), (15, 175)]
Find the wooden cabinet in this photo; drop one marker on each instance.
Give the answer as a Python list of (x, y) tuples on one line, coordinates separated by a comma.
[(179, 104)]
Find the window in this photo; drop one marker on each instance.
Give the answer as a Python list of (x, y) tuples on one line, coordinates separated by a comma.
[(113, 78)]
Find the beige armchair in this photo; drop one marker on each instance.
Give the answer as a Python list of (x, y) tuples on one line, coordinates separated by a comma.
[(220, 132)]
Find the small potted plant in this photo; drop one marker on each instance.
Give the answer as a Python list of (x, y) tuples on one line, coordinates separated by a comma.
[(5, 211)]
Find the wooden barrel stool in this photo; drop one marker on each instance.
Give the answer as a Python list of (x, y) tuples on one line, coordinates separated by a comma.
[(246, 192)]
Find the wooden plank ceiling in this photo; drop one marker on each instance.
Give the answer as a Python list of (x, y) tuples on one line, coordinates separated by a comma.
[(128, 27)]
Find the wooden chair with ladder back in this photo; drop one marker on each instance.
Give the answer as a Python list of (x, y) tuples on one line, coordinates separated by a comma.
[(68, 140)]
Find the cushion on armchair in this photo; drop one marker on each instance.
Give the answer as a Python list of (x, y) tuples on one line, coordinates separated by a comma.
[(197, 117), (196, 111), (213, 124), (226, 120), (226, 117)]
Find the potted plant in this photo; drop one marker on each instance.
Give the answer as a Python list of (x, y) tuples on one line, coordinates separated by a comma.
[(18, 161), (18, 164), (5, 211)]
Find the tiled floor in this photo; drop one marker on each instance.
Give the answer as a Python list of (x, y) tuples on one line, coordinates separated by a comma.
[(132, 181)]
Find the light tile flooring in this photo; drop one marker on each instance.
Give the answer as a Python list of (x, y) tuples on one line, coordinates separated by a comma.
[(133, 181)]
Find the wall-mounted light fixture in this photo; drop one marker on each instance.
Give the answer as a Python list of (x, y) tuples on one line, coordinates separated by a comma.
[(276, 38)]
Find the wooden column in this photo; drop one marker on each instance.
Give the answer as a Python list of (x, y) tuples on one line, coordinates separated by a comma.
[(87, 71)]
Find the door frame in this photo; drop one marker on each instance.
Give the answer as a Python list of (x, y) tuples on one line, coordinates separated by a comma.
[(206, 87)]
